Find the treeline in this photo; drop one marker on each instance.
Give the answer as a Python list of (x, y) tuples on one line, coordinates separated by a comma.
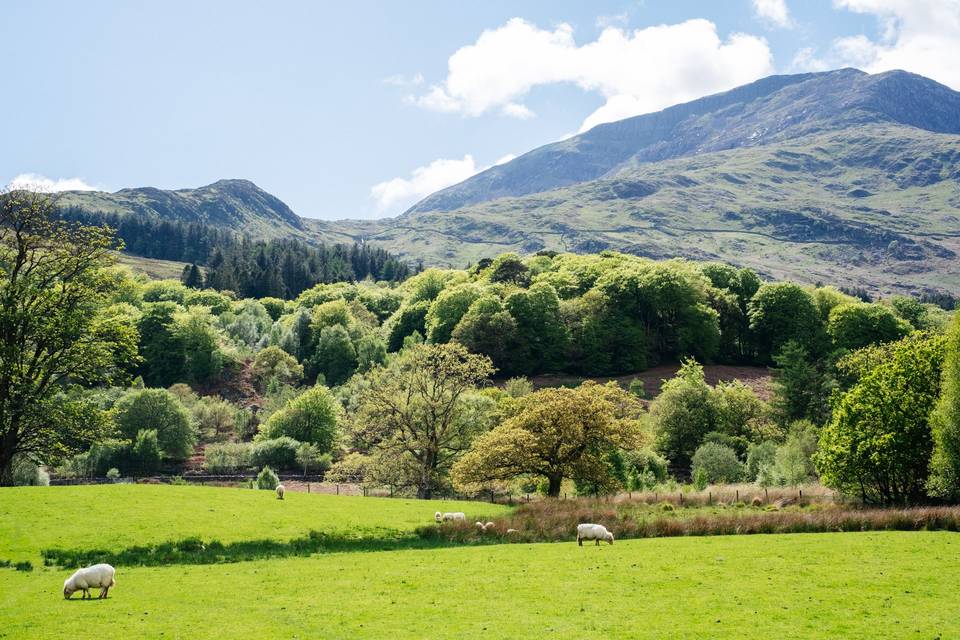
[(280, 268)]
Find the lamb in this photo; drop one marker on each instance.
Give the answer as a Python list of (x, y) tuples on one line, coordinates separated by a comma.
[(280, 491), (98, 576), (443, 517), (596, 532)]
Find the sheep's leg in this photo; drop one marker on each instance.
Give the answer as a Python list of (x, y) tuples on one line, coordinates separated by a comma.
[(598, 543), (579, 541)]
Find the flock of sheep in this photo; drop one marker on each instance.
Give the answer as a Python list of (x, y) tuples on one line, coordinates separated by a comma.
[(102, 576)]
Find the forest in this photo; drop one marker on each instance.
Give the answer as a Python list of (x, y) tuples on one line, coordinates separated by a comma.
[(427, 385)]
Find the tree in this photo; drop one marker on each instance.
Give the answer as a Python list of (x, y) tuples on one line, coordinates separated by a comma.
[(489, 329), (945, 422), (311, 458), (54, 332), (856, 325), (145, 453), (416, 407), (202, 357), (683, 414), (447, 310), (558, 433), (311, 417), (335, 357), (781, 312), (273, 362), (879, 443), (717, 463), (215, 417), (160, 410), (191, 276), (160, 344), (541, 334), (798, 386)]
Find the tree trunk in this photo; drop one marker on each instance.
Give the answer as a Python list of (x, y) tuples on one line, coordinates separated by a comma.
[(6, 469), (553, 490), (424, 492)]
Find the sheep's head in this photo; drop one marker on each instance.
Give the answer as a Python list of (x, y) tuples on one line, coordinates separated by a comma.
[(438, 516), (609, 537), (67, 591)]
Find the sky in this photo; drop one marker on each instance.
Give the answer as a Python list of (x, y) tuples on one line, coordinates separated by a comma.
[(359, 109)]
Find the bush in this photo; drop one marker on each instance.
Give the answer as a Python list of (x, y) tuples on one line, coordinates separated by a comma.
[(278, 453), (267, 479), (645, 462), (113, 474), (311, 417), (228, 457), (637, 388), (311, 459), (794, 460), (160, 410), (700, 479), (718, 462), (145, 453)]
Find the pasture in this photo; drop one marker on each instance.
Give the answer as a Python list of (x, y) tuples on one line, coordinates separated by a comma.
[(864, 585)]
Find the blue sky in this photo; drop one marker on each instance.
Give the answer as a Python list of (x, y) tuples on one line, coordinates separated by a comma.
[(359, 109)]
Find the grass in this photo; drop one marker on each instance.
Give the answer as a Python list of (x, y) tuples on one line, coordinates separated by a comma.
[(851, 585), (114, 517)]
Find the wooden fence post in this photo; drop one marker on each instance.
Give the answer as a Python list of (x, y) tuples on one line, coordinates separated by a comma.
[(766, 494), (338, 488), (709, 497), (681, 497), (738, 495)]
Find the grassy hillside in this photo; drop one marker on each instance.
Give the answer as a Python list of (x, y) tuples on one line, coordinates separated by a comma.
[(876, 206), (151, 267)]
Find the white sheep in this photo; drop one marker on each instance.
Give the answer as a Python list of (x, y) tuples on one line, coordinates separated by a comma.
[(443, 517), (98, 576), (483, 528), (512, 531), (280, 491), (596, 532)]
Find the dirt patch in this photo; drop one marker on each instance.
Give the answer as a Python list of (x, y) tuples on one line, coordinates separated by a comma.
[(757, 378)]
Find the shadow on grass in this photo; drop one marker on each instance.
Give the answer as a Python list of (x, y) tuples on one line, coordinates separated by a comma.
[(196, 551)]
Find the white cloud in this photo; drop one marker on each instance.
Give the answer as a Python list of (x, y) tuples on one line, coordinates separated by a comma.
[(400, 193), (774, 12), (608, 21), (400, 80), (37, 182), (922, 36), (637, 71), (393, 196)]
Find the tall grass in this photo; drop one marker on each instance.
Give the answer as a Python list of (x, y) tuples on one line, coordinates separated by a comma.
[(556, 520)]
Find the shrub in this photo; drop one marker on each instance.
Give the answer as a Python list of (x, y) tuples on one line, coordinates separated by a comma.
[(518, 387), (161, 410), (351, 468), (700, 479), (113, 473), (267, 479), (794, 460), (228, 457), (274, 362), (311, 417), (637, 388), (145, 453), (311, 459), (645, 462), (718, 462), (759, 455), (278, 453)]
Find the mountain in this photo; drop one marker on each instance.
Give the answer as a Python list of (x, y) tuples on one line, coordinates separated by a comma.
[(769, 111), (239, 205)]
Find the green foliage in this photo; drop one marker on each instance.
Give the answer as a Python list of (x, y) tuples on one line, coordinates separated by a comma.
[(310, 417), (335, 357), (371, 352), (761, 457), (145, 453), (27, 474), (945, 422), (227, 457), (409, 319), (794, 459), (273, 362), (700, 478), (856, 325), (781, 312), (797, 385), (215, 418), (311, 459), (267, 479), (879, 443), (682, 414), (540, 331), (637, 388), (718, 464), (55, 330), (517, 387), (157, 409), (279, 453), (447, 309), (113, 474), (488, 328)]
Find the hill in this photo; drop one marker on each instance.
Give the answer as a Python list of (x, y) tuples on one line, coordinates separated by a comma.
[(765, 112), (239, 205)]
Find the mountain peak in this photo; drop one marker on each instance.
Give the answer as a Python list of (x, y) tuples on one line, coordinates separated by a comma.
[(772, 109)]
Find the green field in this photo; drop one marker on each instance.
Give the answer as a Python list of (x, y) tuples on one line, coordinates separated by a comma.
[(857, 585)]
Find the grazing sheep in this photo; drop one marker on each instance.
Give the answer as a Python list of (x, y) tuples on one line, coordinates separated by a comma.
[(98, 576), (487, 526), (596, 532), (443, 517), (483, 528), (280, 491)]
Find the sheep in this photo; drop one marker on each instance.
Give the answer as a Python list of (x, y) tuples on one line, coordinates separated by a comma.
[(443, 517), (483, 528), (596, 532), (99, 575), (280, 491), (512, 531)]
